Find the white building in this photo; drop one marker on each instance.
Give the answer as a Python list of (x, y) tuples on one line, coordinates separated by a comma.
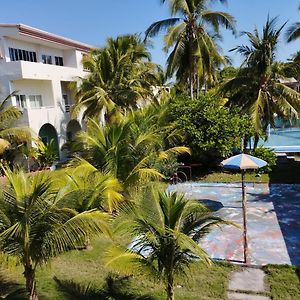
[(40, 66)]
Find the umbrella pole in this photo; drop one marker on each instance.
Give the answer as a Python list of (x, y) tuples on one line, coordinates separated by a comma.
[(244, 205)]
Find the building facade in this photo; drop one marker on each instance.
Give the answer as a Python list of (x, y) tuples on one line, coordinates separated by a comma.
[(41, 68)]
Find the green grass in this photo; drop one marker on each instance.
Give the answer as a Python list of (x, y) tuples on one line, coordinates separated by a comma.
[(283, 173), (284, 282), (87, 267), (230, 177)]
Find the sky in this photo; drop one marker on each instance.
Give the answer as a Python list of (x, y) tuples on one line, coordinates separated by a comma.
[(93, 21)]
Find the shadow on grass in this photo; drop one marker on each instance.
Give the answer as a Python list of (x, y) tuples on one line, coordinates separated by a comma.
[(115, 288), (10, 290)]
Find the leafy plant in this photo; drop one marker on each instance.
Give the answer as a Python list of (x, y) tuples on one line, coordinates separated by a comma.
[(47, 153), (34, 226), (210, 129), (165, 229), (267, 155), (130, 147)]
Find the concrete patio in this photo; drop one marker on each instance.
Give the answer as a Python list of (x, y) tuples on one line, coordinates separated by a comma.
[(273, 220)]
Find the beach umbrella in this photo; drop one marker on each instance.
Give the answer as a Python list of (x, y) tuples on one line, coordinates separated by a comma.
[(243, 162)]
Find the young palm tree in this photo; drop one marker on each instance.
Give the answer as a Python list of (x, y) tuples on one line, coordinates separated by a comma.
[(34, 226), (195, 53), (9, 134), (87, 188), (121, 75), (293, 32), (258, 89), (165, 229), (127, 148)]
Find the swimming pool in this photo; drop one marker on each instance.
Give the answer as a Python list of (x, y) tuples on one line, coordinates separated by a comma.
[(283, 140)]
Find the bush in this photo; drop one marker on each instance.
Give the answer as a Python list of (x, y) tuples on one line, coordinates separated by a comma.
[(168, 166), (267, 155), (211, 130)]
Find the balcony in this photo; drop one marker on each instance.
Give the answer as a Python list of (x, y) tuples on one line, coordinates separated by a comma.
[(35, 117), (32, 70)]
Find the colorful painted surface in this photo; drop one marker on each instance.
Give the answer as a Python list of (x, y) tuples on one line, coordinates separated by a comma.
[(273, 220)]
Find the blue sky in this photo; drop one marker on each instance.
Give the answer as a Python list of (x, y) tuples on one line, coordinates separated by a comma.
[(92, 21)]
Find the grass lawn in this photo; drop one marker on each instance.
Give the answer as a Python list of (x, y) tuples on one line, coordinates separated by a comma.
[(282, 173), (284, 282), (87, 267)]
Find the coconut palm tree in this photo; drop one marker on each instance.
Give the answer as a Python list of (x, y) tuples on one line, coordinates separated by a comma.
[(34, 226), (121, 75), (293, 32), (165, 229), (8, 134), (87, 188), (129, 147), (194, 50), (259, 89)]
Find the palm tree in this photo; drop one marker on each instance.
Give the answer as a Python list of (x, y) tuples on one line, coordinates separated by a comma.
[(258, 88), (195, 52), (8, 134), (165, 229), (34, 226), (293, 32), (128, 148), (87, 188), (121, 75)]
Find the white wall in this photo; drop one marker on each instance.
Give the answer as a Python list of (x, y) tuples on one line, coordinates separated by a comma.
[(36, 78)]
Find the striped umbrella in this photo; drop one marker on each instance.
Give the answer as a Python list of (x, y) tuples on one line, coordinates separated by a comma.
[(244, 162)]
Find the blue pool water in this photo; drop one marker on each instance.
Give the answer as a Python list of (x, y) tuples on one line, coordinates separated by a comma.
[(283, 140)]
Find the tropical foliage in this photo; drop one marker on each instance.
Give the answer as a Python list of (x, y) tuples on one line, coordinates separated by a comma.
[(165, 229), (195, 54), (9, 135), (211, 130), (293, 32), (267, 155), (259, 89), (129, 147), (34, 227), (121, 77), (87, 188)]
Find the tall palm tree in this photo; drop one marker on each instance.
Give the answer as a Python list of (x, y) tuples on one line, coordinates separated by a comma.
[(128, 148), (293, 32), (258, 88), (8, 134), (34, 226), (195, 52), (121, 75), (165, 230)]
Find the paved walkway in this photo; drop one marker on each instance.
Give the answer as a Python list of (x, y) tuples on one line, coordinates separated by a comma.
[(248, 284), (273, 221)]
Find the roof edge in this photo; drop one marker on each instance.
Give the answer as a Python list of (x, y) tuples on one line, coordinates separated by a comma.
[(44, 35)]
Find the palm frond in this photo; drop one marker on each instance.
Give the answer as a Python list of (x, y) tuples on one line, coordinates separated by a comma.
[(158, 26)]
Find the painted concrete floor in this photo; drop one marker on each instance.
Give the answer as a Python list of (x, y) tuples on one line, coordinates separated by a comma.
[(273, 220)]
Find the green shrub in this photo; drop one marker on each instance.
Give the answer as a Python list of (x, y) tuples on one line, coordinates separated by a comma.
[(267, 155), (210, 129), (168, 166)]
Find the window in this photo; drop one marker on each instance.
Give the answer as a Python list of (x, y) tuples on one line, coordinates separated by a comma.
[(35, 101), (59, 61), (19, 54), (47, 59), (21, 101)]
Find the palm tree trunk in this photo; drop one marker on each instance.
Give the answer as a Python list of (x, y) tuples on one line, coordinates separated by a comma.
[(256, 140), (170, 287), (29, 275), (191, 85)]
